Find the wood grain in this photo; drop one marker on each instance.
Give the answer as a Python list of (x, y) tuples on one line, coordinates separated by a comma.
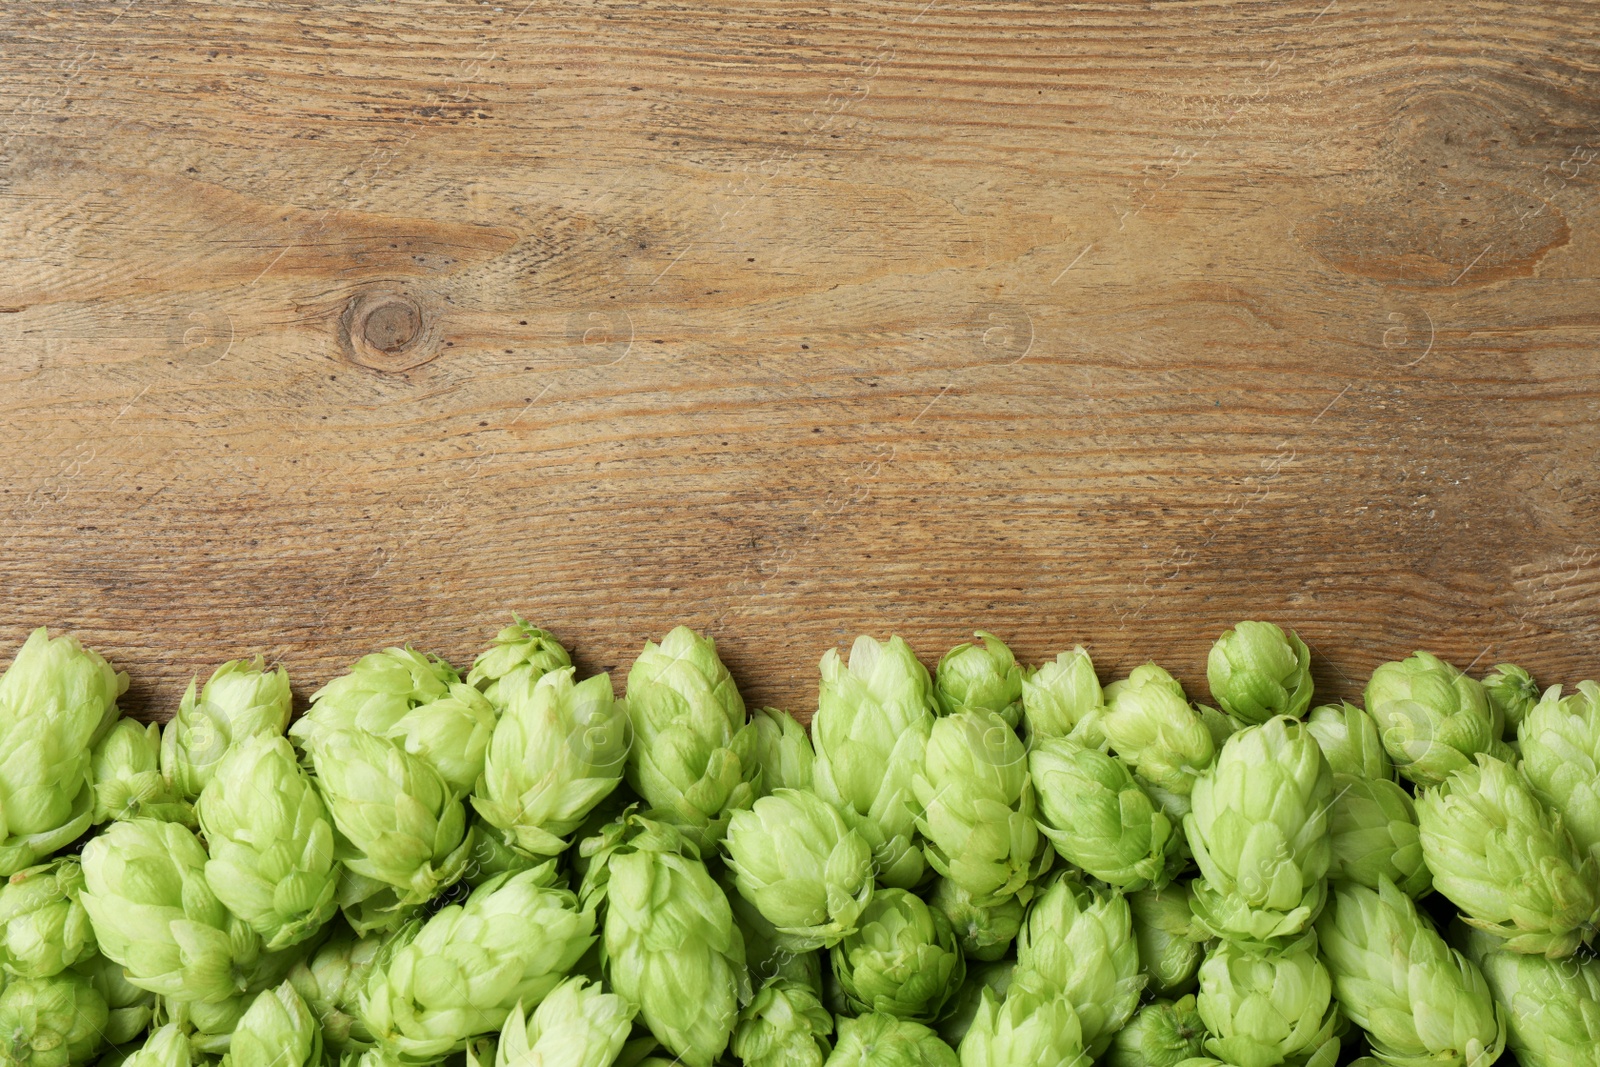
[(1101, 322)]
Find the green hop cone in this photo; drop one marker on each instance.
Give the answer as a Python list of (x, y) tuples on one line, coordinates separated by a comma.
[(271, 842), (1163, 1033), (520, 655), (451, 733), (43, 927), (1098, 817), (871, 732), (558, 750), (1372, 833), (984, 931), (1149, 723), (977, 804), (1560, 742), (1421, 1003), (1064, 698), (130, 1007), (1512, 693), (783, 750), (881, 1040), (577, 1025), (398, 823), (1267, 1008), (331, 979), (980, 677), (1552, 1007), (128, 783), (809, 874), (1026, 1028), (514, 940), (278, 1030), (242, 699), (784, 1025), (1169, 945), (903, 960), (1256, 671), (1349, 740), (375, 694), (50, 1022), (1432, 718), (1507, 862), (153, 912), (670, 945), (210, 1026), (1259, 831), (767, 955), (695, 756), (985, 980), (1078, 940), (167, 1046), (56, 700)]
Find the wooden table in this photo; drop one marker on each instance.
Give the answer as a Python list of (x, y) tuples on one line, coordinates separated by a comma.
[(324, 327)]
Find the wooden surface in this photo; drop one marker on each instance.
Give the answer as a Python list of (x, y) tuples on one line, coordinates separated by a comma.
[(329, 326)]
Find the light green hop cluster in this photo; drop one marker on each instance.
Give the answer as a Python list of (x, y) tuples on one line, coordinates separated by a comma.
[(451, 734), (1269, 1007), (870, 733), (1099, 818), (991, 978), (44, 928), (1507, 861), (1163, 1033), (877, 1039), (241, 699), (374, 695), (331, 979), (519, 656), (783, 750), (128, 783), (1512, 693), (694, 757), (56, 700), (576, 1025), (1027, 1027), (278, 1030), (1373, 834), (1149, 723), (984, 931), (1350, 741), (1259, 831), (558, 750), (166, 1047), (1551, 1007), (1256, 672), (784, 1025), (1432, 718), (1559, 738), (976, 806), (130, 1008), (980, 677), (51, 1022), (902, 960), (1170, 947), (1063, 698)]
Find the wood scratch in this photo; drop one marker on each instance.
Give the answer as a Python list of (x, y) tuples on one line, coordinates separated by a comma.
[(932, 402), (1074, 263), (1474, 262), (669, 266), (1332, 402)]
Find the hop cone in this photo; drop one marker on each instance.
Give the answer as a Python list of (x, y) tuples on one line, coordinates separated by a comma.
[(1560, 742), (977, 802), (1163, 928), (398, 823), (903, 960), (1372, 834), (783, 750), (695, 760), (985, 980), (1099, 818), (1078, 940), (241, 699), (1163, 1033), (1259, 830), (1421, 1003), (1551, 1007), (1507, 862), (784, 1025), (50, 1022), (558, 750), (513, 941), (984, 931), (451, 733), (167, 1047), (1024, 1029), (130, 1007), (1266, 1008), (43, 927), (1149, 724), (330, 981), (870, 733), (56, 700), (670, 945), (1064, 698), (1432, 718), (146, 894), (1349, 740), (767, 957), (1512, 693), (980, 677), (376, 693), (880, 1040), (1256, 671), (271, 842), (577, 1025), (128, 783), (520, 655), (809, 874), (278, 1030)]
